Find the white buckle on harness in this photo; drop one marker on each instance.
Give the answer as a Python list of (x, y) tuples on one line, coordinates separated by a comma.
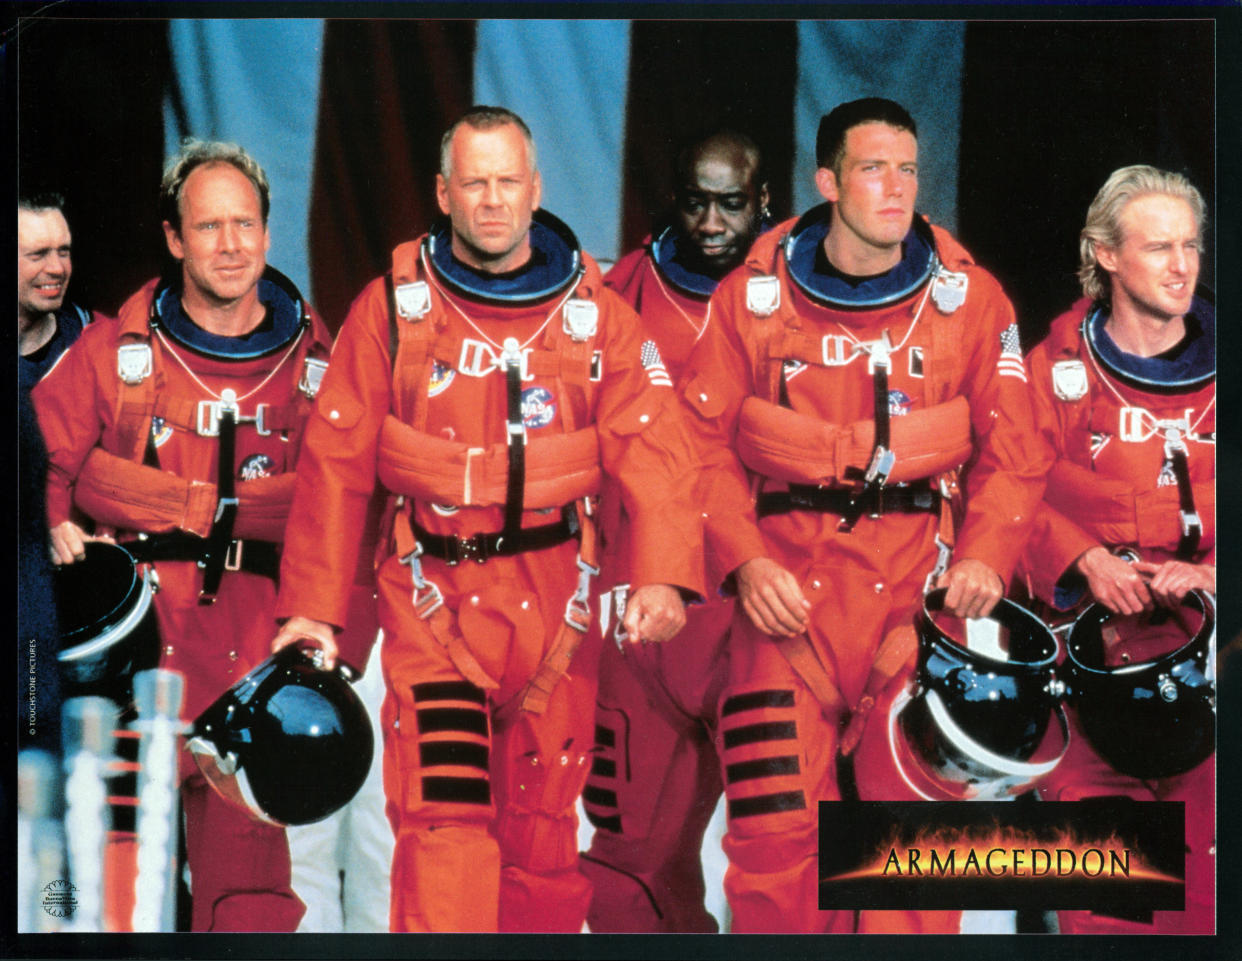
[(233, 556), (312, 376), (1131, 427), (209, 412), (949, 290), (579, 319), (836, 350), (133, 363), (879, 353), (763, 295), (413, 299), (1175, 432), (478, 359)]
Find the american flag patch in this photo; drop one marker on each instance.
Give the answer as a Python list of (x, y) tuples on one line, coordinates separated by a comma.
[(654, 365), (1010, 362)]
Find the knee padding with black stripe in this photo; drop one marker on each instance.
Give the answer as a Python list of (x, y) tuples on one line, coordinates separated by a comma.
[(762, 757), (453, 743)]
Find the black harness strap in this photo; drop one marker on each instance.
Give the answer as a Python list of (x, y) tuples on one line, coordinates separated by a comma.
[(220, 537), (1192, 526), (515, 490), (881, 461)]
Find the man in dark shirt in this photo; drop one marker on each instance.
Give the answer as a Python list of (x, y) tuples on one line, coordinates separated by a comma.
[(46, 325)]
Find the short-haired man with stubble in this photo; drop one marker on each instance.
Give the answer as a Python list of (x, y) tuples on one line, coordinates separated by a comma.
[(857, 367), (486, 382), (220, 353)]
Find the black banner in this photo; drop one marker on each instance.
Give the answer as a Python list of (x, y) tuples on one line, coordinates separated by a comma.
[(1112, 855)]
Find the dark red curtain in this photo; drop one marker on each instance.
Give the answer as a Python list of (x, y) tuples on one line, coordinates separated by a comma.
[(90, 127), (688, 76), (389, 90)]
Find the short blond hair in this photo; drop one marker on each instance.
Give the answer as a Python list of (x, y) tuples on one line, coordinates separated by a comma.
[(1103, 227), (196, 153)]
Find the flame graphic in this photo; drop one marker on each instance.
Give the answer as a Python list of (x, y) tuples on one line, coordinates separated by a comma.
[(1008, 853)]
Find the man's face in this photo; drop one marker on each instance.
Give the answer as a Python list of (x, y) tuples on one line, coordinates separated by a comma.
[(490, 195), (717, 208), (223, 241), (1156, 266), (876, 188), (43, 262)]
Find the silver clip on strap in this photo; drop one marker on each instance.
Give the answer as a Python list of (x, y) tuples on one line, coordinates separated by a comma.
[(426, 605), (943, 556), (578, 610)]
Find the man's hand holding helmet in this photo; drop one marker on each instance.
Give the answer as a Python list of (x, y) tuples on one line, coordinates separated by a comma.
[(301, 630)]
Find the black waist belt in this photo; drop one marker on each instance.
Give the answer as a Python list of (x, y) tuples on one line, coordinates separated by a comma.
[(254, 557), (920, 499), (480, 547)]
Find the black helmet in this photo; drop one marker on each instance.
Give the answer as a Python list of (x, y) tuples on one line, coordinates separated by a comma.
[(1155, 717), (975, 722), (108, 628), (289, 742)]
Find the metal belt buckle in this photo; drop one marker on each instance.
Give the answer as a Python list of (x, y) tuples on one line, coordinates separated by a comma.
[(1190, 521), (233, 555), (466, 549)]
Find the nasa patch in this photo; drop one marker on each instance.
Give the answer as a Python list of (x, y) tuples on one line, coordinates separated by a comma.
[(255, 466), (441, 376), (160, 431), (899, 403), (538, 407)]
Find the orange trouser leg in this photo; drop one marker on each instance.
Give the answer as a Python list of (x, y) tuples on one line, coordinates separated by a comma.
[(1083, 774), (777, 755), (437, 748), (655, 778), (239, 867), (539, 769)]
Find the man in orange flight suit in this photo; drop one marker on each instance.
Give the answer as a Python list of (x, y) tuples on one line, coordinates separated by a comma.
[(182, 420), (486, 382), (1125, 392), (855, 362), (654, 779)]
